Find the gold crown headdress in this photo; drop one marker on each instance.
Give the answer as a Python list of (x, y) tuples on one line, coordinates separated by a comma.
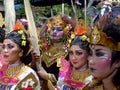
[(57, 21), (99, 37)]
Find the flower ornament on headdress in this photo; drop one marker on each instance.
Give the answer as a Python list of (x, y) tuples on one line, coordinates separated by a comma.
[(20, 32), (81, 30), (70, 39), (85, 38)]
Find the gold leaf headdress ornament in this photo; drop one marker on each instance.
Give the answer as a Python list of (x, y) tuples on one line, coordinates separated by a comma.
[(99, 37), (57, 21)]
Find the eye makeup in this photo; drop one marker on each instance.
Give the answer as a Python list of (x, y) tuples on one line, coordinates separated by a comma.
[(77, 52), (8, 46)]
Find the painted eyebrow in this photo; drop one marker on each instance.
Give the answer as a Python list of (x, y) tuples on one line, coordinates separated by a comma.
[(76, 50), (9, 44), (98, 50)]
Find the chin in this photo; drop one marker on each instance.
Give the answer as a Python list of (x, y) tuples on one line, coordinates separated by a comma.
[(76, 67), (6, 61), (97, 76)]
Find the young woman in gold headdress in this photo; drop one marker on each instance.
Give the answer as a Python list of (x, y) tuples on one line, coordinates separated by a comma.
[(52, 40), (104, 60), (74, 71), (17, 75)]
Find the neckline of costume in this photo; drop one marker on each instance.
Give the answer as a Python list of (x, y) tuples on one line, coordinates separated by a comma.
[(14, 64), (84, 68)]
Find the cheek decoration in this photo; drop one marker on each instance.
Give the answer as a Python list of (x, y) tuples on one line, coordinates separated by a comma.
[(103, 63)]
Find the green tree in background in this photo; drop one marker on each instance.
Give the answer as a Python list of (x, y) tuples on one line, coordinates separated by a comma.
[(41, 13)]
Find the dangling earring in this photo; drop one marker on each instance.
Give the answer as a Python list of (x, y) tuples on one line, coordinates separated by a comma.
[(21, 54)]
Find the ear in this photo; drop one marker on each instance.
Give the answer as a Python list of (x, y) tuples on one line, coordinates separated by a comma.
[(117, 65), (21, 53)]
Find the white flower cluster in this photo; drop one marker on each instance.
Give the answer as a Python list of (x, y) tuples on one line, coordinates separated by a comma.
[(27, 83)]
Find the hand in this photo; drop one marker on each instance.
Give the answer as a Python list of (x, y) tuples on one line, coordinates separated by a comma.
[(41, 71), (35, 58)]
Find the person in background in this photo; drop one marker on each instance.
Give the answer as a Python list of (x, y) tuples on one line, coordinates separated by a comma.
[(16, 52), (104, 60), (52, 41), (73, 73), (2, 36)]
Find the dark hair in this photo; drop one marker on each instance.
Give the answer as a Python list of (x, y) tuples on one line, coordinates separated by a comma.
[(112, 29), (116, 59), (2, 35), (17, 38), (81, 43)]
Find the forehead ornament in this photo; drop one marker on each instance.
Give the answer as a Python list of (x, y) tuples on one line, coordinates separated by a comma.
[(95, 36)]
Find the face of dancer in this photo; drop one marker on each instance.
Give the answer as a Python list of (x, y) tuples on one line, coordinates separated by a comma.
[(77, 56), (56, 32), (10, 51), (100, 62)]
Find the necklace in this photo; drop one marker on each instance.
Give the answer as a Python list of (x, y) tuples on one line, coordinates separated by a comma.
[(13, 70), (54, 53), (79, 75)]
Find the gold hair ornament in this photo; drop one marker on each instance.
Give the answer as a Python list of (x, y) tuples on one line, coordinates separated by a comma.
[(58, 22), (80, 30), (83, 38), (99, 37), (17, 28)]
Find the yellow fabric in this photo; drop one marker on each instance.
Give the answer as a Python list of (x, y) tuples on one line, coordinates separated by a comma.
[(50, 85)]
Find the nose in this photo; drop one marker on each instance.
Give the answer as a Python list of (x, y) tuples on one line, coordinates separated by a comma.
[(73, 57), (55, 31), (91, 60), (5, 50)]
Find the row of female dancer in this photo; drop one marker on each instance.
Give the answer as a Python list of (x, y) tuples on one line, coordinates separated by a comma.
[(92, 61)]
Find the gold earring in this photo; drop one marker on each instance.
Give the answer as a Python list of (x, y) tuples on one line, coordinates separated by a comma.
[(21, 53)]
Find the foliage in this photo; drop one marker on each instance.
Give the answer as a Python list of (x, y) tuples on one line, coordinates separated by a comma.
[(42, 13)]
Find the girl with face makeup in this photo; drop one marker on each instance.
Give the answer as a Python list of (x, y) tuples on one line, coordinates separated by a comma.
[(73, 72), (53, 37), (17, 75), (76, 72), (104, 59)]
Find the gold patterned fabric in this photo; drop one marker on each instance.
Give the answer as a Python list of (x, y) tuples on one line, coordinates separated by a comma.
[(18, 77)]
